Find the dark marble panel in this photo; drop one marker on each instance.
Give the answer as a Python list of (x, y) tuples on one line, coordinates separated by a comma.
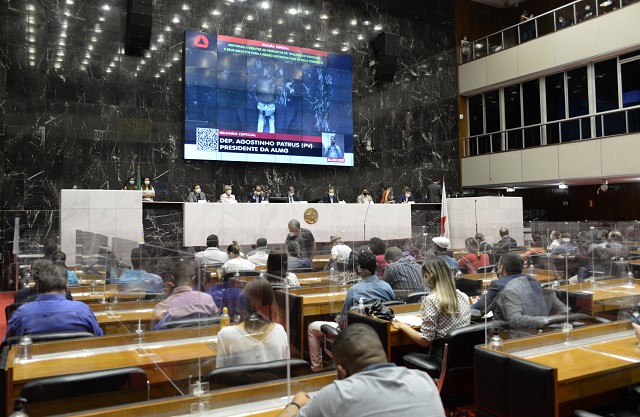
[(75, 111)]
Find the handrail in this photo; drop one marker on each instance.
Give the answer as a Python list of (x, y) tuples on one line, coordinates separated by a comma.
[(595, 134), (484, 41)]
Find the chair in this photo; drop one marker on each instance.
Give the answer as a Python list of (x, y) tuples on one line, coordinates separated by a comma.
[(253, 373), (415, 297), (488, 269), (10, 309), (392, 303), (46, 337), (455, 375), (225, 277), (189, 322), (51, 395), (330, 334)]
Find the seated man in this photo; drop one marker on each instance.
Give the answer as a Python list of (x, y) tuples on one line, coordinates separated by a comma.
[(212, 256), (339, 253), (28, 294), (505, 244), (402, 273), (440, 250), (523, 304), (184, 302), (52, 312), (367, 384), (60, 258), (260, 254), (138, 279), (236, 263), (295, 261), (509, 267), (369, 289)]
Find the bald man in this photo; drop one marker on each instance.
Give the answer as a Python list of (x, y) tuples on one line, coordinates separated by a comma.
[(368, 384)]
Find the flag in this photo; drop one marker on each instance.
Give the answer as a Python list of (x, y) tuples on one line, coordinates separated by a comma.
[(444, 216), (138, 180)]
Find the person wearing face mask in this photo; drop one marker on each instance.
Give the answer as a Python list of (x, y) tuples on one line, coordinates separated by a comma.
[(148, 193), (130, 185), (227, 197), (406, 197), (196, 195), (365, 198), (330, 196), (277, 107), (257, 195), (291, 195), (510, 267), (369, 289)]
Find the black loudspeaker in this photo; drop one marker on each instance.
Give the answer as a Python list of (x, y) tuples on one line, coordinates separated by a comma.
[(387, 49), (139, 23)]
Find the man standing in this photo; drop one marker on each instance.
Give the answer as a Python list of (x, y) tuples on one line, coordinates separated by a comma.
[(434, 192), (212, 256), (52, 312), (304, 237), (367, 384), (402, 273), (184, 302)]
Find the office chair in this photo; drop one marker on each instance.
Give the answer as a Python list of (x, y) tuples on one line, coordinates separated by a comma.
[(330, 334), (415, 297), (253, 373), (488, 269), (225, 277), (109, 387), (189, 322), (46, 337), (10, 309)]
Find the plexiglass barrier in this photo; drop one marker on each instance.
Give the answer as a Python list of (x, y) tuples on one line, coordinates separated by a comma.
[(228, 328)]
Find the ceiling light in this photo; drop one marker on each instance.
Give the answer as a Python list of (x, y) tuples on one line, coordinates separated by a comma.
[(32, 50), (324, 17), (157, 75), (511, 189), (289, 40), (87, 56), (280, 21), (360, 37), (142, 62), (249, 17), (90, 47), (167, 28), (176, 58), (377, 27), (216, 12), (69, 1), (85, 62), (61, 42), (292, 11), (354, 22), (32, 39), (106, 7), (94, 39), (265, 5), (563, 186), (185, 6), (160, 39), (31, 7), (176, 19), (366, 23), (335, 31), (162, 70), (308, 27), (205, 25), (345, 48), (108, 69), (316, 45), (112, 64), (60, 53), (83, 67), (101, 18), (32, 63), (57, 65)]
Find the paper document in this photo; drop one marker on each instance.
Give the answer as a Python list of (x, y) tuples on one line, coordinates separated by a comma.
[(412, 320)]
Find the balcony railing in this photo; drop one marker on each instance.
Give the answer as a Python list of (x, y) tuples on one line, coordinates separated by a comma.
[(599, 125), (549, 22)]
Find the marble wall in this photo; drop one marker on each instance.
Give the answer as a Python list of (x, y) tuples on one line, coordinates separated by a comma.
[(75, 111)]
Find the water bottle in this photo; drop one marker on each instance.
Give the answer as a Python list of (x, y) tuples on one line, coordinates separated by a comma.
[(18, 408), (630, 279), (556, 284), (532, 271), (459, 274), (332, 273), (361, 306), (496, 342), (24, 347), (225, 319)]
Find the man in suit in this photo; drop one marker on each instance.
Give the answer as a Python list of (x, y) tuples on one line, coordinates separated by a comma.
[(406, 197), (257, 195), (196, 195), (330, 196), (506, 242), (291, 194), (509, 267), (434, 192)]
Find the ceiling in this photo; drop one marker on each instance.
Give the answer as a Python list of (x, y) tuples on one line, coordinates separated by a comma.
[(570, 182), (501, 3)]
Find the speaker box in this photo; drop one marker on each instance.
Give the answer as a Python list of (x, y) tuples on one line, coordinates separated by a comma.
[(387, 49), (386, 40), (139, 23)]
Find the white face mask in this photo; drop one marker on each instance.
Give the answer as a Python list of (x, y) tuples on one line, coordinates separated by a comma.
[(266, 109), (228, 192), (290, 193), (147, 182), (131, 182), (258, 192), (408, 195), (197, 190), (551, 237), (331, 194)]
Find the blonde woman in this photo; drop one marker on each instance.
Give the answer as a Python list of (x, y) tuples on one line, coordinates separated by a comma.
[(443, 309), (474, 259)]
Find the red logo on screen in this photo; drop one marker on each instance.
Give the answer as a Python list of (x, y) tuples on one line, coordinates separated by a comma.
[(201, 41)]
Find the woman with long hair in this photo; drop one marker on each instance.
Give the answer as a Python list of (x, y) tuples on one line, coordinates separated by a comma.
[(444, 309), (474, 259), (257, 338), (277, 265), (148, 192)]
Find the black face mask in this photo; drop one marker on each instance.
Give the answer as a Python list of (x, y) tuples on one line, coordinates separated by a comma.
[(365, 193)]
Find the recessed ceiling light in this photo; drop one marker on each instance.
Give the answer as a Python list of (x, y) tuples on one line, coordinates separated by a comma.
[(108, 69), (354, 22), (57, 65), (250, 17), (85, 62), (292, 11), (175, 19), (106, 7), (142, 62), (316, 45), (157, 75), (101, 18), (360, 37), (377, 27), (280, 21), (185, 6), (205, 25), (167, 28), (563, 186), (366, 23), (265, 5), (335, 31), (69, 1), (324, 17), (83, 67), (216, 12)]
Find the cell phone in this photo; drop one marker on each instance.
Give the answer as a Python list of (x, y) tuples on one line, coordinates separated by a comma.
[(634, 318)]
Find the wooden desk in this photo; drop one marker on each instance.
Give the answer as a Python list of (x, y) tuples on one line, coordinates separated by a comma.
[(124, 321), (259, 400), (591, 362), (168, 355), (603, 297)]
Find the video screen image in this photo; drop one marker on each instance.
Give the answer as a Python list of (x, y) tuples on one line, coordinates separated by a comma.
[(255, 101)]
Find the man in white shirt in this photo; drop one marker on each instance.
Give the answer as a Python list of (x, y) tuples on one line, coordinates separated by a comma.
[(260, 255), (212, 256), (339, 253), (554, 241)]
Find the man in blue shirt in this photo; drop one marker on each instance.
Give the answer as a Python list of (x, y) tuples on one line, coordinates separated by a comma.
[(137, 279), (369, 289), (509, 267), (52, 312)]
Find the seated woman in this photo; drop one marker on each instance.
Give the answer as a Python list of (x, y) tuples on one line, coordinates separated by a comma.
[(444, 309), (236, 262), (257, 338), (148, 192), (277, 265), (474, 259), (227, 197)]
